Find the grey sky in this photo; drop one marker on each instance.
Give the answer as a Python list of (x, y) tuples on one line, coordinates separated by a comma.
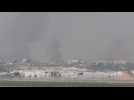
[(81, 35)]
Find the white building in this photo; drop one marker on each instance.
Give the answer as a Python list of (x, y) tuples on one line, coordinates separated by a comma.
[(119, 62), (74, 61)]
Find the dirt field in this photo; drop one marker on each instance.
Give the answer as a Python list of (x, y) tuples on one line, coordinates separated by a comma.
[(64, 84)]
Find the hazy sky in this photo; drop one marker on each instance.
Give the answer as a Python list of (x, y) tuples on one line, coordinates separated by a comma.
[(81, 35)]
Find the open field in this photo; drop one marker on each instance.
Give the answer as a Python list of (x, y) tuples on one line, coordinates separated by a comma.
[(64, 84)]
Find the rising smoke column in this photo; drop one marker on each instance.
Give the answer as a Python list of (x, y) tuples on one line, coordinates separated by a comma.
[(26, 34), (119, 49), (22, 30), (48, 47), (115, 50), (53, 51)]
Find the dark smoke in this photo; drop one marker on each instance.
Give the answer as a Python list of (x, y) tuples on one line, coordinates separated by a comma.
[(90, 35), (53, 51), (118, 50), (25, 29), (48, 47)]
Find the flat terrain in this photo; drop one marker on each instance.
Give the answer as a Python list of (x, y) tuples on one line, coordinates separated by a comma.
[(64, 84)]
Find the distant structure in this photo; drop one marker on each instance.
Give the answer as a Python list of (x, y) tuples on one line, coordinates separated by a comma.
[(73, 61), (25, 60)]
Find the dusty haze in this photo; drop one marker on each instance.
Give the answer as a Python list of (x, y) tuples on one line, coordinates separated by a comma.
[(61, 36)]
